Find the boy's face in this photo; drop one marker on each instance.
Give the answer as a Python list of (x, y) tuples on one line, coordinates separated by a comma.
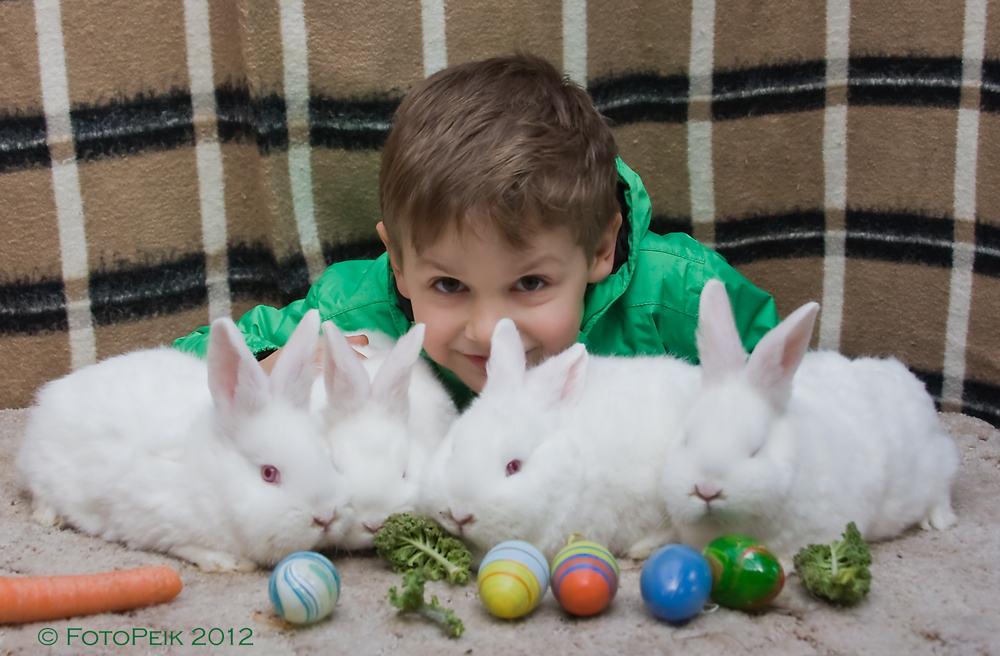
[(461, 286)]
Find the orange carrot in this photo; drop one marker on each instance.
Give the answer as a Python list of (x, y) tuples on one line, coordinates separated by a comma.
[(38, 598)]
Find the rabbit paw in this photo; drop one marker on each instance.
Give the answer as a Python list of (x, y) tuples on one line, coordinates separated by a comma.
[(209, 560), (45, 514), (940, 517), (646, 546)]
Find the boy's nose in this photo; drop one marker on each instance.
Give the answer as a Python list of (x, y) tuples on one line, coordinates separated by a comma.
[(482, 321)]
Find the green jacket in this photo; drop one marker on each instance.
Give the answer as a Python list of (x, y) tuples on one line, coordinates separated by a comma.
[(648, 306)]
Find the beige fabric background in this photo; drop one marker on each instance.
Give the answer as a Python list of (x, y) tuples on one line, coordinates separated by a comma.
[(163, 163)]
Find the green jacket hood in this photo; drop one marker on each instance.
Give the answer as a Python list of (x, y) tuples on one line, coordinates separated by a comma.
[(636, 217)]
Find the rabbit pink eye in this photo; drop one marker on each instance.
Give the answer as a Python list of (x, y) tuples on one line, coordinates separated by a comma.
[(513, 467), (270, 474)]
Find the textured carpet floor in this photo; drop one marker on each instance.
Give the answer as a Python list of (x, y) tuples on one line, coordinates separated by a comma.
[(932, 593)]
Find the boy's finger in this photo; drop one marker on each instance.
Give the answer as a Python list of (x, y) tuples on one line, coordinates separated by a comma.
[(358, 340)]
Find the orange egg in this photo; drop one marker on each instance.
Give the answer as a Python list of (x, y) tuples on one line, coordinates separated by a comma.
[(584, 577)]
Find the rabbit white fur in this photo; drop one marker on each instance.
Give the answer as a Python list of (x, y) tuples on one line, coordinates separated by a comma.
[(385, 415), (162, 451), (573, 445), (790, 454)]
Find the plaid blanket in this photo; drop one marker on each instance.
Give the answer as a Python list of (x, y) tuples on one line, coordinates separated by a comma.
[(163, 163)]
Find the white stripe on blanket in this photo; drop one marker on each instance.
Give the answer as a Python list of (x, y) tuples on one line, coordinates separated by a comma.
[(435, 45), (966, 156), (295, 52), (700, 172), (211, 182), (65, 182), (838, 24)]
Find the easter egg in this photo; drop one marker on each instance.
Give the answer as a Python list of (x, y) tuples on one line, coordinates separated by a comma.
[(304, 587), (675, 582), (512, 579), (745, 575), (584, 577)]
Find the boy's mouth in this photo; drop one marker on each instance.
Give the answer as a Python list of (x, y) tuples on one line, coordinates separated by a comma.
[(478, 360)]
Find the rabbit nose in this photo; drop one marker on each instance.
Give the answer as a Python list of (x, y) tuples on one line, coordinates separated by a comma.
[(459, 517), (372, 526), (707, 491), (324, 522)]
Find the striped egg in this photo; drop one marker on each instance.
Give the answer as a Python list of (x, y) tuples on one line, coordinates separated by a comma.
[(584, 577), (745, 575), (304, 587), (513, 578)]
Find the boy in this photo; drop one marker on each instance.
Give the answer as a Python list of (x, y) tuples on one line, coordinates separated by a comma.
[(502, 196)]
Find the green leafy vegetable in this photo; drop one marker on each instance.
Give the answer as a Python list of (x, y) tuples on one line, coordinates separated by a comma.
[(411, 541), (837, 571), (411, 600)]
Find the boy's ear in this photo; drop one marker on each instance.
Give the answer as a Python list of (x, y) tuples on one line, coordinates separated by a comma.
[(396, 270), (604, 256)]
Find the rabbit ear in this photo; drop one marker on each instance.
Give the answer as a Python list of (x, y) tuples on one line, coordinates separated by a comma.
[(720, 348), (777, 356), (295, 370), (560, 379), (391, 384), (347, 383), (505, 368), (238, 384)]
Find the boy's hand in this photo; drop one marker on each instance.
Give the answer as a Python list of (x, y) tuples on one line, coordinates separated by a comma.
[(267, 364)]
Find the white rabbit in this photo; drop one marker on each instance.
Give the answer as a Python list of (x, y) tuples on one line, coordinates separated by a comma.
[(214, 463), (790, 454), (573, 445), (385, 415)]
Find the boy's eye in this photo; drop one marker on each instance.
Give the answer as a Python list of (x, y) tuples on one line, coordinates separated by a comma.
[(448, 285), (530, 284)]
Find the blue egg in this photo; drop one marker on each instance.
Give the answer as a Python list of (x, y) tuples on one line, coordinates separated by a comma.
[(675, 583), (304, 587)]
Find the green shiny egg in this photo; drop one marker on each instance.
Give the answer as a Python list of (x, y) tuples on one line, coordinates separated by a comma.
[(745, 575)]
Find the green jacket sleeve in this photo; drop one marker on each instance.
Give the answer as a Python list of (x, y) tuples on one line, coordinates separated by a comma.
[(265, 329), (355, 294)]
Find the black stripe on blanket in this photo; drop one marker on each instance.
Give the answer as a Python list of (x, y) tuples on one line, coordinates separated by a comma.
[(664, 225), (255, 273), (162, 121), (30, 308), (639, 97), (899, 238), (142, 123), (362, 249), (784, 236), (989, 92), (350, 124), (22, 143), (132, 292), (905, 81), (244, 119), (987, 259), (769, 90), (934, 382), (981, 400)]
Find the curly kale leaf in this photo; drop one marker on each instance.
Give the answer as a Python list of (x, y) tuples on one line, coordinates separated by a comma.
[(837, 572)]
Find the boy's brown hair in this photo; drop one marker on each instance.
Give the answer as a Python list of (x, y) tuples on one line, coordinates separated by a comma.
[(507, 141)]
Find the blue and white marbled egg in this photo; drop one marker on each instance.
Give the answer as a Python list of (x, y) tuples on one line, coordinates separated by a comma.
[(304, 587)]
